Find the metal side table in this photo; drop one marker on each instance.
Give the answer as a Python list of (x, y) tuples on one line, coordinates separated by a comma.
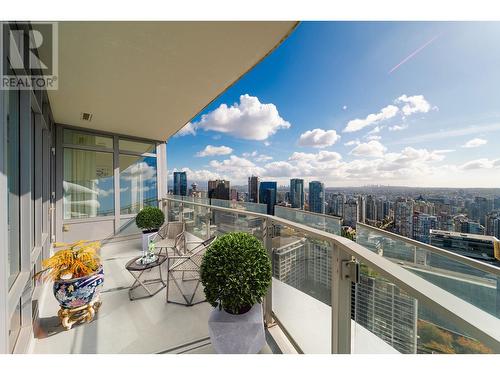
[(137, 270)]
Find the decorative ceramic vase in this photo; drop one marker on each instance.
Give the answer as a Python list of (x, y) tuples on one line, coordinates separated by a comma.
[(73, 293), (237, 334)]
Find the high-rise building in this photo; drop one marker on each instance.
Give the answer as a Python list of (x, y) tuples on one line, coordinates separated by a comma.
[(253, 189), (371, 208), (218, 189), (234, 195), (403, 217), (267, 195), (383, 207), (485, 248), (194, 192), (493, 224), (297, 193), (462, 224), (337, 205), (422, 224), (180, 183), (351, 212), (316, 197), (361, 208), (480, 208)]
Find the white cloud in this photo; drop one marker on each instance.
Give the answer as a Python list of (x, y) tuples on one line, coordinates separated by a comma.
[(214, 150), (475, 142), (239, 168), (187, 129), (413, 104), (369, 149), (374, 137), (398, 127), (267, 144), (481, 164), (249, 154), (248, 119), (376, 130), (261, 158), (257, 157), (318, 138), (322, 156), (385, 113), (200, 175), (409, 105), (404, 166), (352, 143)]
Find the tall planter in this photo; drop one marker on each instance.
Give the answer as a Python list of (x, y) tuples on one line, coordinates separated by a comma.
[(237, 334), (149, 220), (236, 274)]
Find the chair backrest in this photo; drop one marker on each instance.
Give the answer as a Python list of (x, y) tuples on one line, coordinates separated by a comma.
[(174, 228), (180, 244)]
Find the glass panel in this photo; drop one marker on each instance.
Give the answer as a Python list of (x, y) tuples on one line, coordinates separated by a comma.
[(128, 227), (15, 327), (136, 146), (468, 283), (302, 288), (327, 223), (196, 220), (245, 206), (12, 172), (137, 183), (88, 184), (74, 137), (388, 318)]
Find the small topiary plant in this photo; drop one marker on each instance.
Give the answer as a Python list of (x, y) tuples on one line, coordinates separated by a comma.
[(235, 272), (150, 219)]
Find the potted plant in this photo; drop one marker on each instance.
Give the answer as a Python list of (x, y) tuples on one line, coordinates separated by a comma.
[(236, 274), (77, 273), (149, 220)]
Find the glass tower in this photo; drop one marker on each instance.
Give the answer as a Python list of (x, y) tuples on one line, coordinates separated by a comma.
[(316, 197), (297, 193), (180, 183)]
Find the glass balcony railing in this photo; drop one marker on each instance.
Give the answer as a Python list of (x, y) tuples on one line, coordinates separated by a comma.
[(327, 223), (399, 304), (472, 281)]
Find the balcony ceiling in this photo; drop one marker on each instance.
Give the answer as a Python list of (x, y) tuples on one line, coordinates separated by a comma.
[(149, 79)]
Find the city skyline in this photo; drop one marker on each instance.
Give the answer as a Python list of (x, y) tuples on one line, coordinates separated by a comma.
[(351, 104)]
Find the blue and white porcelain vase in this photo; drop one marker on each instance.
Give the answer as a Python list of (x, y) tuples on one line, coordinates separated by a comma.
[(73, 293)]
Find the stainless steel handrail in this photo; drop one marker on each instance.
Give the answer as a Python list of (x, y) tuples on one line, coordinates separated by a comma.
[(473, 320), (436, 250)]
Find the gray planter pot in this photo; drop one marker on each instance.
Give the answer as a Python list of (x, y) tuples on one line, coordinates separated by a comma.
[(237, 334)]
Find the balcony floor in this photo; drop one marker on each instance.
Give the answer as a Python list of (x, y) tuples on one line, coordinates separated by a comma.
[(148, 325)]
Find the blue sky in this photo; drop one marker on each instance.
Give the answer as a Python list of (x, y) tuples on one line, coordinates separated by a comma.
[(358, 103)]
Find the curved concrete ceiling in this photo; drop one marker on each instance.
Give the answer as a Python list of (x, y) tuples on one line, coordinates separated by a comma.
[(149, 79)]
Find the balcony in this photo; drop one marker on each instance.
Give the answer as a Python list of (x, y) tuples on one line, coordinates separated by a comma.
[(409, 297)]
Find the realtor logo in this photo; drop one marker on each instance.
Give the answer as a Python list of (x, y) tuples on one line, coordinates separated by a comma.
[(29, 55)]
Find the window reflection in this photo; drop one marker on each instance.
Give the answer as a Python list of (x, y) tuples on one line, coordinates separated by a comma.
[(137, 183), (88, 184)]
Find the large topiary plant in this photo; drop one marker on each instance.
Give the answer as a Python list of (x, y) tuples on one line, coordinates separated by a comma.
[(150, 219), (236, 272)]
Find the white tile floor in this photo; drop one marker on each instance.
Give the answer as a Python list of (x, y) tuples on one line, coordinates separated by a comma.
[(148, 325)]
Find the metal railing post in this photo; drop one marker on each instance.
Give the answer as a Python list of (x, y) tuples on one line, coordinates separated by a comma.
[(268, 300), (208, 219), (341, 301)]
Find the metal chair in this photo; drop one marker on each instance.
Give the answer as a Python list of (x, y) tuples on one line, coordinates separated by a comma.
[(189, 263), (167, 235)]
